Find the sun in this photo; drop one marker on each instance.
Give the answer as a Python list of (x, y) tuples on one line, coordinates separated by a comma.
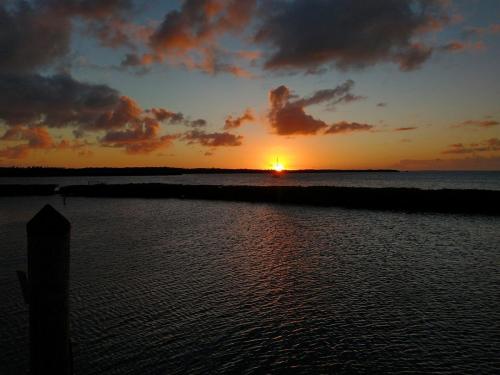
[(278, 167)]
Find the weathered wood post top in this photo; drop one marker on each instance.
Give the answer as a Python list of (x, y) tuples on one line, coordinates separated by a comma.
[(48, 279)]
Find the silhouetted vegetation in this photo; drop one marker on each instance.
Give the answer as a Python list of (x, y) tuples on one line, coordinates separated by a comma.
[(149, 171)]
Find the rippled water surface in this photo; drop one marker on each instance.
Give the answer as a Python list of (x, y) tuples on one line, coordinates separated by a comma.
[(173, 287)]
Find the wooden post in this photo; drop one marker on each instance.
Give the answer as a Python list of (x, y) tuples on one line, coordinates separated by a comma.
[(48, 279)]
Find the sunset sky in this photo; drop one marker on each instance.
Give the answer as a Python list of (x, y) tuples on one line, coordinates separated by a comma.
[(343, 84)]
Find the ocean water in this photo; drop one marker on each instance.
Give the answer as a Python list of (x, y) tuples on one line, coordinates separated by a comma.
[(423, 180), (201, 287)]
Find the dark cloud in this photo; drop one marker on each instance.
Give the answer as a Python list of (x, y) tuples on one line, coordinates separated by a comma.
[(164, 115), (236, 122), (212, 139), (59, 101), (105, 20), (409, 128), (37, 34), (413, 56), (176, 118), (307, 34), (288, 116), (340, 94), (488, 145), (31, 37), (140, 138), (90, 9)]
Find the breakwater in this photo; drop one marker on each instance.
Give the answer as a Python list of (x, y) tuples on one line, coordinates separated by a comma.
[(25, 190), (406, 199)]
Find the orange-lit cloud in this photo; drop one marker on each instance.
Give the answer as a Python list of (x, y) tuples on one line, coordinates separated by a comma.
[(36, 102), (236, 122), (190, 36), (488, 145), (37, 138), (288, 117)]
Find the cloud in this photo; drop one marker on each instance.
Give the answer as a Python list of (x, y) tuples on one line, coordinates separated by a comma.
[(479, 123), (212, 139), (382, 104), (477, 32), (236, 122), (454, 46), (37, 34), (458, 46), (190, 35), (198, 23), (288, 117), (340, 94), (141, 138), (347, 127), (309, 34), (469, 163), (176, 118), (31, 37), (409, 128), (413, 57), (37, 138), (88, 9), (488, 145), (60, 101), (165, 115)]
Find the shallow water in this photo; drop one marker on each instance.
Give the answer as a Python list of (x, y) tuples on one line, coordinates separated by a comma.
[(422, 180), (169, 286)]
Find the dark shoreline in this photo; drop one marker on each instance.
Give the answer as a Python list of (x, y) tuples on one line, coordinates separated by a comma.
[(485, 202), (156, 171)]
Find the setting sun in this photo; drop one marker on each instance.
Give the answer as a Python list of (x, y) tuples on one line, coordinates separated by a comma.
[(278, 167)]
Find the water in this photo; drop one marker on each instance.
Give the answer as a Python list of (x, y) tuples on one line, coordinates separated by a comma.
[(174, 287), (423, 180)]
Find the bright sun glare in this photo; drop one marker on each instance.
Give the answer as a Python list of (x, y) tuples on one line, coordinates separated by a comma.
[(278, 167)]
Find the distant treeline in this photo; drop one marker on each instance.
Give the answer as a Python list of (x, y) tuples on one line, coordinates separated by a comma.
[(150, 171)]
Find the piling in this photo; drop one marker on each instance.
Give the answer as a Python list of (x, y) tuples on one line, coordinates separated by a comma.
[(48, 284)]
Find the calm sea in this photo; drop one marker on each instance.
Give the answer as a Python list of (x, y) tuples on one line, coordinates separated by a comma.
[(201, 287)]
